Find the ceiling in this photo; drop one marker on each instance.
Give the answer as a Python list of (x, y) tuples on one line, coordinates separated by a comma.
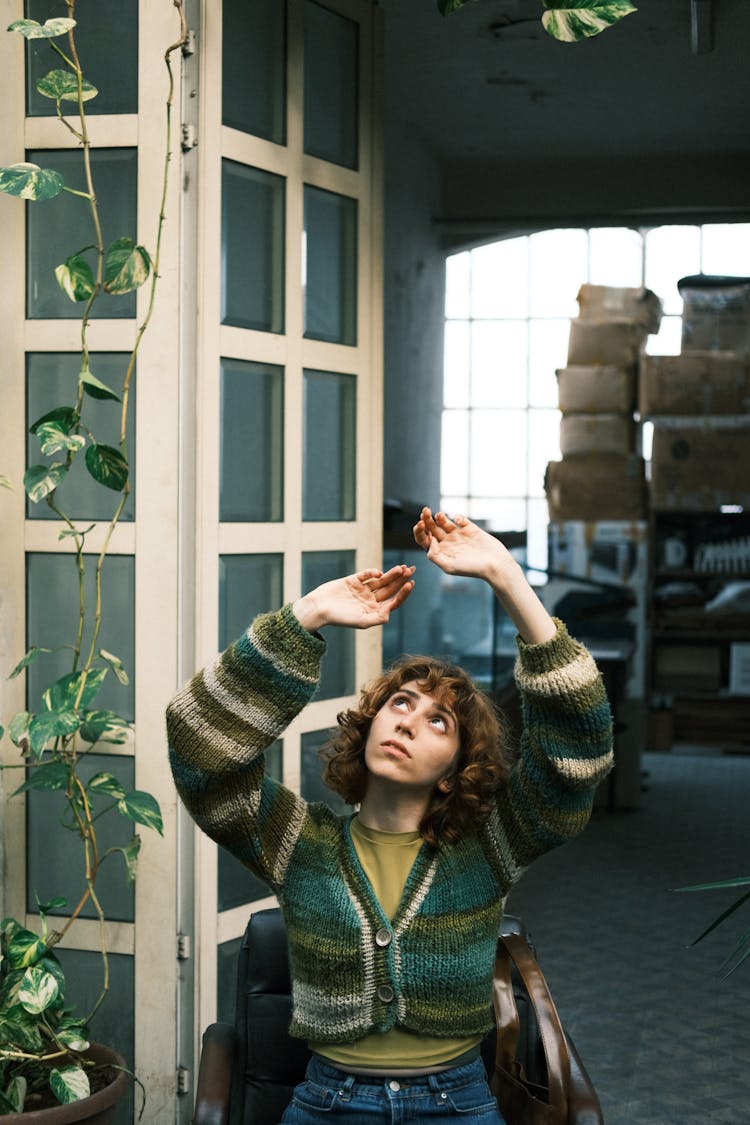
[(488, 82)]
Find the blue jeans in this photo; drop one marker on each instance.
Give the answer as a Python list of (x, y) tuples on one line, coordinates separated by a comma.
[(329, 1094)]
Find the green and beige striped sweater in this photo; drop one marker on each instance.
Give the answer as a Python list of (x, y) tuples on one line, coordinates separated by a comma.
[(354, 971)]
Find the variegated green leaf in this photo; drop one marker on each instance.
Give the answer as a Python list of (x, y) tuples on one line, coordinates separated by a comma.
[(104, 726), (116, 665), (18, 727), (130, 855), (62, 86), (50, 29), (75, 277), (63, 693), (573, 20), (143, 809), (107, 466), (65, 416), (69, 1084), (40, 480), (95, 388), (15, 1093), (126, 266), (25, 948), (48, 725), (29, 181), (48, 776), (53, 438), (28, 658), (38, 990), (107, 784), (73, 1038)]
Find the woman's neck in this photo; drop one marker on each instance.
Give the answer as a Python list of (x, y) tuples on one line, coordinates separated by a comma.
[(391, 808)]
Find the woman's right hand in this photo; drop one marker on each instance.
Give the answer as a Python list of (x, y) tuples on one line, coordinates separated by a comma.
[(358, 601)]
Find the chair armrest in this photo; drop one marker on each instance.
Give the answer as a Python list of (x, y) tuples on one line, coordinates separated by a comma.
[(584, 1106), (213, 1091)]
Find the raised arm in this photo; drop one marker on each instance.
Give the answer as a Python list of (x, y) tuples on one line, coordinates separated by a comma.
[(458, 546), (357, 600)]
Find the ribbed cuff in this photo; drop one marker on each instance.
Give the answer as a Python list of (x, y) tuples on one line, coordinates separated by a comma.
[(283, 635), (549, 655)]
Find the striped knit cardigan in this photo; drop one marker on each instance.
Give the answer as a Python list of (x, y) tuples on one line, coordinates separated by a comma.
[(354, 971)]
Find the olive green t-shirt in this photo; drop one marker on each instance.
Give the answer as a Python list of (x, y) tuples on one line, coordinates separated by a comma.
[(387, 858)]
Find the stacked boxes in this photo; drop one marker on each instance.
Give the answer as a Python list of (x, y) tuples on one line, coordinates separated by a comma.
[(699, 401), (602, 474)]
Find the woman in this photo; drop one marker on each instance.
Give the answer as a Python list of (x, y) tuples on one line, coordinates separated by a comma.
[(392, 913)]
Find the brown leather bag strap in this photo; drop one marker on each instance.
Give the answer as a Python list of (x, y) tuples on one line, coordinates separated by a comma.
[(511, 946)]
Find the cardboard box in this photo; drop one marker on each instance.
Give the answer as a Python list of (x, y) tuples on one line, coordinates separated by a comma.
[(699, 464), (597, 433), (715, 313), (687, 667), (616, 342), (608, 302), (694, 383), (596, 486), (596, 389)]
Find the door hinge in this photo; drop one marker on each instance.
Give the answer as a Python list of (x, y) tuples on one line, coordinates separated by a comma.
[(183, 947), (183, 1080), (189, 46), (189, 137)]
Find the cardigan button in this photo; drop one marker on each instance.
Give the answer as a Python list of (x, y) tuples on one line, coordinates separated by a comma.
[(385, 993), (383, 937)]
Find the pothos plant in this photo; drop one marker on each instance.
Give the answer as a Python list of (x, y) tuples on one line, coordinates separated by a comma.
[(568, 20), (43, 1040)]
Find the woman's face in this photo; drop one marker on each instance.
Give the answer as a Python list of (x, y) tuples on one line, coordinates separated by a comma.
[(413, 739)]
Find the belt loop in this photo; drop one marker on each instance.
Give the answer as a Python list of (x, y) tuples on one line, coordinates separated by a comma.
[(346, 1090)]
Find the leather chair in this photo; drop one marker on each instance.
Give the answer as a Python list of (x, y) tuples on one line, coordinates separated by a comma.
[(249, 1069)]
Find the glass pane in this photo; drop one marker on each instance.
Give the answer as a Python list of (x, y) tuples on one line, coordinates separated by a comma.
[(456, 363), (62, 226), (454, 452), (252, 442), (253, 68), (337, 676), (331, 85), (499, 363), (328, 452), (56, 864), (616, 257), (726, 249), (52, 381), (500, 279), (248, 585), (457, 283), (498, 514), (537, 556), (671, 253), (313, 788), (330, 269), (114, 1023), (227, 958), (544, 446), (559, 266), (52, 619), (252, 248), (237, 885), (498, 453), (548, 350), (107, 46), (668, 340)]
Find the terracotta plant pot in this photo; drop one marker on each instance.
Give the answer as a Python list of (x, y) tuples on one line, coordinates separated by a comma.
[(98, 1109)]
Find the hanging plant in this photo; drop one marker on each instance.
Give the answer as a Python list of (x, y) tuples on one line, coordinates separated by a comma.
[(568, 20)]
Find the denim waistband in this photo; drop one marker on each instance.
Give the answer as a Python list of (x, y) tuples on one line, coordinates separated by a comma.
[(451, 1077)]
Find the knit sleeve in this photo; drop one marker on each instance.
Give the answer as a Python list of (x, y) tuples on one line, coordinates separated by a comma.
[(220, 724), (566, 749)]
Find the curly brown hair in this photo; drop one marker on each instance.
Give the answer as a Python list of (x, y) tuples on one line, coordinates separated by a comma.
[(484, 757)]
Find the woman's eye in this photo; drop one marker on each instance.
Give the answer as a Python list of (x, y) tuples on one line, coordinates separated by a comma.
[(439, 721)]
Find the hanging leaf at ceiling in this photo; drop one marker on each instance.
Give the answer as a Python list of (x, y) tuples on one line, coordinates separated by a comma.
[(573, 20)]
